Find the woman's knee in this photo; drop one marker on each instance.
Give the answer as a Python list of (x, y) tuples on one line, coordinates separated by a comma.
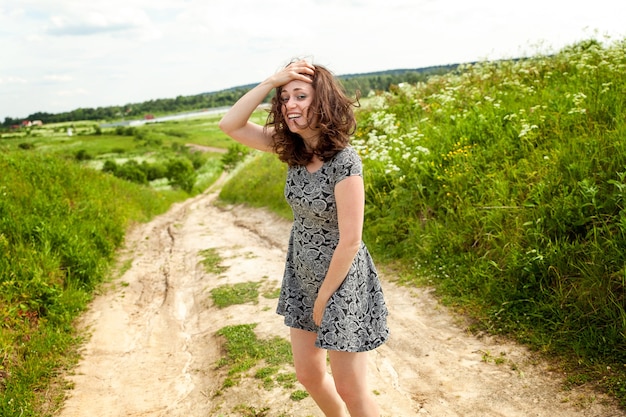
[(350, 375), (349, 392), (310, 361), (310, 375)]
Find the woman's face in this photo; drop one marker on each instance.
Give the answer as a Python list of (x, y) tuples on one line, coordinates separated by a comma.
[(296, 98)]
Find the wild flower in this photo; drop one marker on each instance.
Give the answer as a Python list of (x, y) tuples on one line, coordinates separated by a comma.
[(526, 128), (578, 99)]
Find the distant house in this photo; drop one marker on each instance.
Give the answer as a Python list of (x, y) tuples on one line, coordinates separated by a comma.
[(26, 123), (37, 123), (149, 117)]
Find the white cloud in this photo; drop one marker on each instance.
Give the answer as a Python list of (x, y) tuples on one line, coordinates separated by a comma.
[(58, 78), (12, 80), (73, 93), (115, 52)]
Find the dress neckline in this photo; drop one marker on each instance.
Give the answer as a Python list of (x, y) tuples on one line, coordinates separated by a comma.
[(317, 168)]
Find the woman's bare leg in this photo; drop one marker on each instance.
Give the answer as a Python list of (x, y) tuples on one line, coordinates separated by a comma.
[(350, 375), (310, 363)]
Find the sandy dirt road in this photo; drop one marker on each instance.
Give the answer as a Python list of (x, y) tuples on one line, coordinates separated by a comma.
[(152, 349)]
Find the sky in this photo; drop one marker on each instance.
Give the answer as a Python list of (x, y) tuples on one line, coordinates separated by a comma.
[(60, 55)]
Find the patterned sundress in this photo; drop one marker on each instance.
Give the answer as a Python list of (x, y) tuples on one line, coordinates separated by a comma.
[(355, 319)]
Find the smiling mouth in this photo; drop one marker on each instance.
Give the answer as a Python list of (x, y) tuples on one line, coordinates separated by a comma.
[(293, 116)]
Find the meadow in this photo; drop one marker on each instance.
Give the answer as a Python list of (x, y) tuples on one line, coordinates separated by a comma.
[(500, 184), (504, 186)]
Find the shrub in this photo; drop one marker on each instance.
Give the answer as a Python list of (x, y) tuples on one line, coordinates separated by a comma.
[(132, 171), (235, 154), (154, 171), (26, 146), (110, 166), (82, 155), (181, 174)]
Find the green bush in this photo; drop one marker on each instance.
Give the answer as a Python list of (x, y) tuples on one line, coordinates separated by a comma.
[(132, 171), (181, 174), (110, 166), (154, 171), (82, 155), (26, 146), (236, 154)]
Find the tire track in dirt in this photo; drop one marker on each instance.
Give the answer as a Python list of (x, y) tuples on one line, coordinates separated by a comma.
[(152, 348)]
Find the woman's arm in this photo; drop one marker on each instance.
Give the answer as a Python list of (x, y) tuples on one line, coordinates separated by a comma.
[(350, 198), (236, 122)]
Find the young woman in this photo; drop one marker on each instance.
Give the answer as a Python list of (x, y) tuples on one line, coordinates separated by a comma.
[(331, 296)]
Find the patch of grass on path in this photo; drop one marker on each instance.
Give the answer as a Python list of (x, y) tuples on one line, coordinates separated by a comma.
[(211, 260), (241, 293), (244, 351)]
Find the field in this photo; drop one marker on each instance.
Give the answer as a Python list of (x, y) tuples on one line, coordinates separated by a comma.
[(501, 185)]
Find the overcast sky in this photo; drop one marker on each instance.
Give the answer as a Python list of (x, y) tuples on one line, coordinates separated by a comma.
[(59, 55)]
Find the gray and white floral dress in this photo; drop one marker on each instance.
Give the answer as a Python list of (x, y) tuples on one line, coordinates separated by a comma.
[(355, 319)]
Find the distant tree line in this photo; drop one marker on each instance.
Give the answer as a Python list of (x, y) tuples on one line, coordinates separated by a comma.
[(376, 81), (381, 81)]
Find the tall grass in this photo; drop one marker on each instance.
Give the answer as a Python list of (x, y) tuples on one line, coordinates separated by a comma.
[(259, 184), (503, 185), (60, 225), (61, 221)]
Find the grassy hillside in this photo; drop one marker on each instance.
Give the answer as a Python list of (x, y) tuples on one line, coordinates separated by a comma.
[(503, 185), (62, 220), (60, 225)]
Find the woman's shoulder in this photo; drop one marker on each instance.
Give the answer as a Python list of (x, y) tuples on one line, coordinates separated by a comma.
[(347, 155), (346, 163)]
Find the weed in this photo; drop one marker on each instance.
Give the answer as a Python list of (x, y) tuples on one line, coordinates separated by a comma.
[(249, 411), (64, 223), (272, 294), (287, 380), (212, 261), (241, 293), (244, 351), (299, 395)]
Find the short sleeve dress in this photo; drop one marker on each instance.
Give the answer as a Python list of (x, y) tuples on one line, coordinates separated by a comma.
[(355, 319)]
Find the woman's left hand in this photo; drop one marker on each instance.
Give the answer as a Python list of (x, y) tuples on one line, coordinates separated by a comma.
[(318, 310)]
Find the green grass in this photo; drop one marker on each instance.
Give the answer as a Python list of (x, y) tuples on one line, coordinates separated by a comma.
[(60, 225), (240, 293), (244, 351), (506, 183), (211, 260), (150, 145), (261, 185), (201, 131)]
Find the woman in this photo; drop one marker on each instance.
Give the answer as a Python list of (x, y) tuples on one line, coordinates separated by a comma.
[(331, 296)]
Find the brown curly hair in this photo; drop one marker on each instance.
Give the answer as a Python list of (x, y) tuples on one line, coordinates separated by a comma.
[(332, 113)]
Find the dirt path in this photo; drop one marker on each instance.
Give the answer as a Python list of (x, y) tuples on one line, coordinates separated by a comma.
[(153, 348)]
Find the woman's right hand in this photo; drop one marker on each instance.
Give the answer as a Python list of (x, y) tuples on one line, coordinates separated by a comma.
[(299, 70), (236, 122)]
